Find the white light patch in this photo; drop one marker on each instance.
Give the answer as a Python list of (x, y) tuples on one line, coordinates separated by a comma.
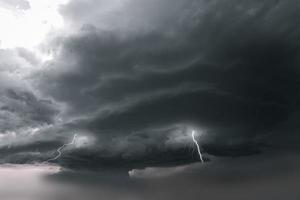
[(82, 141), (28, 28)]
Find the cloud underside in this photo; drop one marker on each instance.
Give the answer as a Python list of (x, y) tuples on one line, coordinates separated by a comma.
[(138, 75)]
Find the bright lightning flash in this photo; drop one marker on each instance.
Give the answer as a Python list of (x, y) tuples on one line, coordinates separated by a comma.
[(198, 148), (61, 148)]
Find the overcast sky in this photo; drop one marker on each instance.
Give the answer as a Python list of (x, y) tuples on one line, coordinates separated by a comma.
[(134, 78)]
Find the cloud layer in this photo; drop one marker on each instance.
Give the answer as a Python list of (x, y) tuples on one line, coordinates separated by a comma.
[(134, 77)]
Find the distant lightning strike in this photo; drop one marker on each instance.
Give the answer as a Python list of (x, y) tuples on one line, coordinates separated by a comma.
[(61, 148), (198, 148)]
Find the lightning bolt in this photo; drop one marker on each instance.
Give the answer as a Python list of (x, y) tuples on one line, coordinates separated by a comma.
[(62, 147), (198, 148)]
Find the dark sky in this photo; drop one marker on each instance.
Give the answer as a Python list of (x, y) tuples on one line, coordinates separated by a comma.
[(133, 78)]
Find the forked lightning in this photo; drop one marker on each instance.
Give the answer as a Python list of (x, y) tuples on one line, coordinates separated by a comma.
[(61, 148), (198, 148)]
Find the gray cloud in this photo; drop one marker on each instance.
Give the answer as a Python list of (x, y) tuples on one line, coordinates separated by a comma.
[(133, 78), (230, 68), (136, 76), (24, 113)]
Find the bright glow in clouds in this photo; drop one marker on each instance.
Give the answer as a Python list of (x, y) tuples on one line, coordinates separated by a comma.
[(83, 141), (196, 143), (28, 28)]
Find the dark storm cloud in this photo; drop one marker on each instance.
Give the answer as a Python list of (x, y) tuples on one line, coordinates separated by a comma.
[(230, 68), (133, 78), (24, 113), (20, 106), (132, 15), (21, 109), (31, 108)]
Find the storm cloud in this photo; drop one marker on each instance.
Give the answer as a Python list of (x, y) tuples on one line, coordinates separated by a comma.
[(148, 70), (133, 78)]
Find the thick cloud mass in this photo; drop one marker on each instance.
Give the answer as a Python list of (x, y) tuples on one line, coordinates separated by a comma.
[(133, 78)]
